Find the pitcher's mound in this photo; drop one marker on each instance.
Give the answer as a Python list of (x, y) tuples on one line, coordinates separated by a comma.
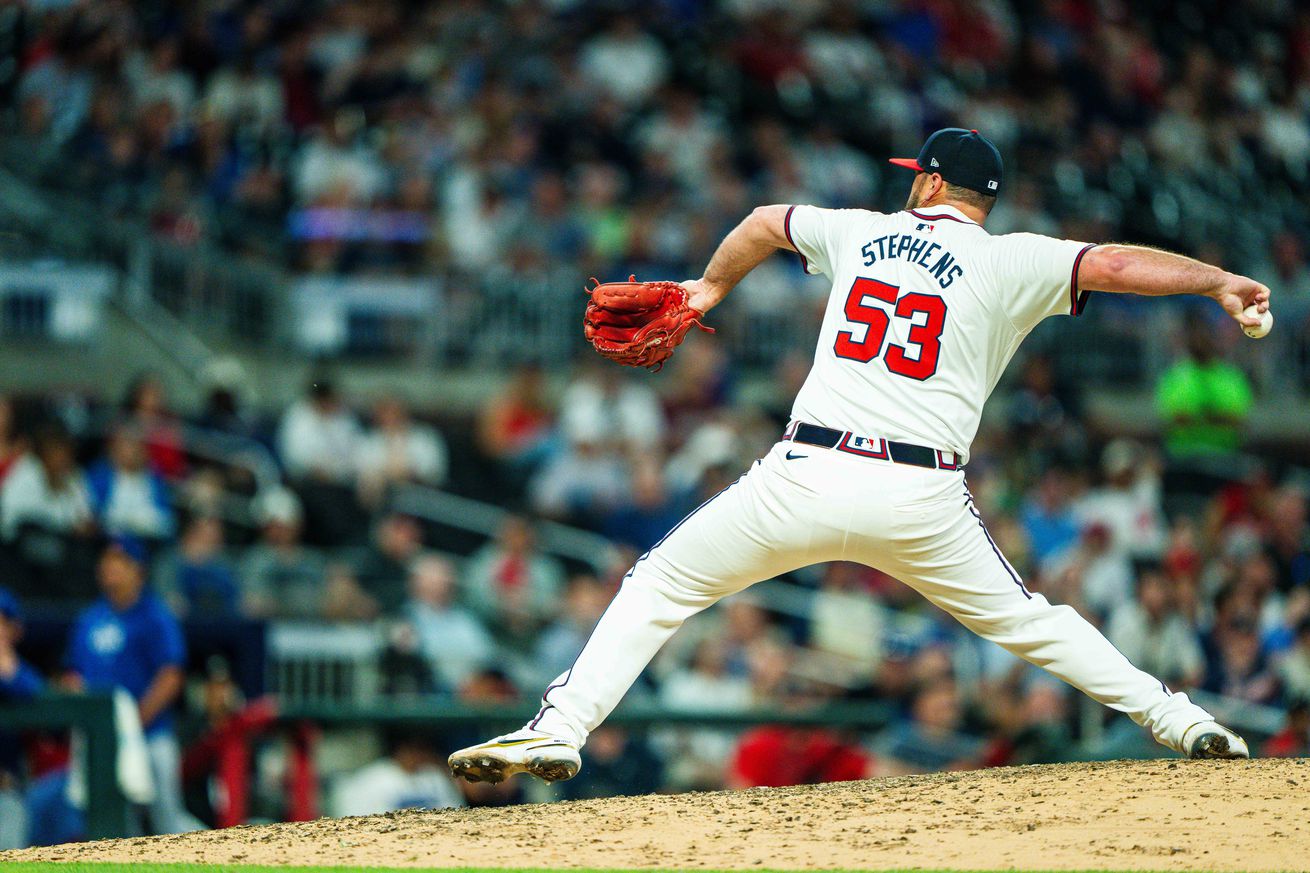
[(1150, 815)]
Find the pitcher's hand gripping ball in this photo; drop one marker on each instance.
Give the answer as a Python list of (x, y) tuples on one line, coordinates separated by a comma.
[(639, 324), (1266, 322)]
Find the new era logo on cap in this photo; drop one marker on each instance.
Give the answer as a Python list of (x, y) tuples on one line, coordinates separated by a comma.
[(962, 157)]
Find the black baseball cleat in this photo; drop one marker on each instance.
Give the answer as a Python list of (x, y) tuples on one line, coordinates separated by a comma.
[(1209, 739), (548, 758)]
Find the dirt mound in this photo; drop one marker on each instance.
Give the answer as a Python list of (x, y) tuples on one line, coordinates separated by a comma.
[(1149, 815)]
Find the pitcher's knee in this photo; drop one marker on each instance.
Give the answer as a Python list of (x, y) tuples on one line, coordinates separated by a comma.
[(659, 579), (1012, 619)]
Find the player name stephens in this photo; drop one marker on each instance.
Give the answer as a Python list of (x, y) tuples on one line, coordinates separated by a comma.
[(916, 250)]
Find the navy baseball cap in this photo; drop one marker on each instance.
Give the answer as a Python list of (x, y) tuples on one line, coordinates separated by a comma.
[(133, 547), (963, 157), (9, 607)]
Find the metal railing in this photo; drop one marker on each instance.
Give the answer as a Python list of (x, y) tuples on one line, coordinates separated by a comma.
[(93, 715), (485, 519), (228, 450), (481, 321)]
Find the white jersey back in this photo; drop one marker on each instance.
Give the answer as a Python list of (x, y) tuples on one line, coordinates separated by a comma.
[(926, 310)]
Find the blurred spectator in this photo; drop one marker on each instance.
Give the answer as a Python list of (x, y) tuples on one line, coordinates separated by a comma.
[(145, 405), (774, 756), (397, 451), (1098, 576), (280, 577), (1036, 730), (848, 624), (1289, 539), (1154, 635), (1293, 741), (411, 776), (602, 416), (319, 438), (1129, 503), (511, 584), (126, 495), (224, 410), (319, 441), (128, 639), (696, 758), (448, 635), (698, 389), (1047, 515), (384, 566), (45, 488), (1294, 669), (337, 161), (514, 425), (1203, 399), (405, 670), (618, 763), (1042, 417), (1237, 664), (736, 625), (344, 598), (683, 134), (245, 94), (1288, 275), (155, 77), (604, 407), (649, 512), (931, 740), (18, 681), (560, 643), (625, 62), (12, 444), (197, 579)]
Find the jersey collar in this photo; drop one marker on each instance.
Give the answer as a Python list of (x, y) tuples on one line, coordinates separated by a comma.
[(934, 213)]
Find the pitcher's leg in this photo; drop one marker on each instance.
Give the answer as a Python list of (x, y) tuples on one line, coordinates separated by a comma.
[(753, 530), (1062, 642), (947, 555)]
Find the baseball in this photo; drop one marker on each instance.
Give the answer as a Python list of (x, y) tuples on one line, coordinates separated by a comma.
[(1266, 322)]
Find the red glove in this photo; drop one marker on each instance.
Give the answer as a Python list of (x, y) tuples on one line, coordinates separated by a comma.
[(639, 324)]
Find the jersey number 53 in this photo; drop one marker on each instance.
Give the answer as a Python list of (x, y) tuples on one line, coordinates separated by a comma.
[(926, 336)]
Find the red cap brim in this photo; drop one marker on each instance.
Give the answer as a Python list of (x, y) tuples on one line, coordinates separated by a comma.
[(907, 163)]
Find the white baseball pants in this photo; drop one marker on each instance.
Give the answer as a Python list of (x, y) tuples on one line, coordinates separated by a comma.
[(916, 524)]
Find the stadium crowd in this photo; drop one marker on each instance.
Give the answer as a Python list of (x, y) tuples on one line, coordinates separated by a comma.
[(1203, 579), (495, 144), (492, 142)]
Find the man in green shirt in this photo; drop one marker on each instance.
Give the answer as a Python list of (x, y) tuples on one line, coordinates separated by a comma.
[(1203, 399)]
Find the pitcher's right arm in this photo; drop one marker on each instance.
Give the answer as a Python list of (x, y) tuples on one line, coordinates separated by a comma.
[(1124, 269)]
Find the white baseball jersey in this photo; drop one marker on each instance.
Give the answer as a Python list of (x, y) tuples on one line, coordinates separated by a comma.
[(926, 310)]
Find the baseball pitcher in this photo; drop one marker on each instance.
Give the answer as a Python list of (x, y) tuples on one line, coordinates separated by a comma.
[(926, 310)]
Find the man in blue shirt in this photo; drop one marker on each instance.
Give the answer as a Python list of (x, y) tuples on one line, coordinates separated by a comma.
[(18, 681), (128, 639)]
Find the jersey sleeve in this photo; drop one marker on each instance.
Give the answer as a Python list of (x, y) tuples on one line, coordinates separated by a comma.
[(1038, 277), (167, 646), (75, 659), (814, 233)]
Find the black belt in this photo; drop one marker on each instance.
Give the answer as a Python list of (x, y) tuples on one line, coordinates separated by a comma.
[(872, 447)]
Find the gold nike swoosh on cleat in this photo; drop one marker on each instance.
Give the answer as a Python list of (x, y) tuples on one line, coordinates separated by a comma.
[(500, 744)]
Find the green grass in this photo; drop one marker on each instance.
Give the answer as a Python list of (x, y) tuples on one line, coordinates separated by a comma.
[(111, 867), (106, 867)]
